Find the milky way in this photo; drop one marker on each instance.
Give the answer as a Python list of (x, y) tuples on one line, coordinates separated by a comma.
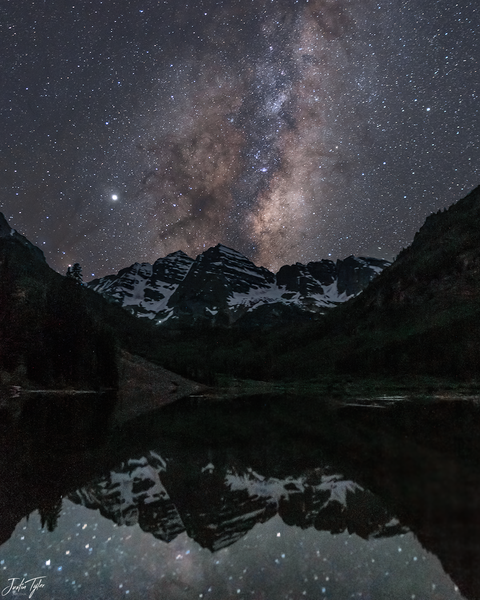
[(289, 130)]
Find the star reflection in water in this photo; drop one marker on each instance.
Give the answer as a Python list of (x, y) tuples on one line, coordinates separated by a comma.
[(88, 556)]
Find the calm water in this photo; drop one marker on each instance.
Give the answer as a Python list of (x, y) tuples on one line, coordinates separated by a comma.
[(268, 498)]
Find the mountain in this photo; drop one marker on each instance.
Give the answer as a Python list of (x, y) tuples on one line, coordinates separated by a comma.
[(57, 333), (8, 233), (223, 287), (145, 289), (418, 317), (421, 316), (49, 335)]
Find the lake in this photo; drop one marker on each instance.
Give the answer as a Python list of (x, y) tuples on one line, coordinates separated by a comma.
[(263, 498)]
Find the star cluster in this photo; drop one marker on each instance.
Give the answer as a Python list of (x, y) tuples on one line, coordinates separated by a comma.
[(292, 130)]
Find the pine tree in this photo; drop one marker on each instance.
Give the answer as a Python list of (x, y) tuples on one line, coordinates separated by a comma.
[(75, 272), (49, 513)]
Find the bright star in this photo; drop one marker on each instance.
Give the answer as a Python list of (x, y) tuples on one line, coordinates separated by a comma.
[(114, 197)]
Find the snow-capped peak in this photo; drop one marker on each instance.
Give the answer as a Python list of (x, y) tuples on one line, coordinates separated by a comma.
[(223, 286)]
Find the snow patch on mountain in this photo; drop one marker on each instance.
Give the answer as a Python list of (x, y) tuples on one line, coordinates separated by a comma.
[(143, 288)]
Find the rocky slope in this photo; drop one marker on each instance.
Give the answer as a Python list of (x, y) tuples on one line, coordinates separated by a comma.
[(145, 387), (223, 287)]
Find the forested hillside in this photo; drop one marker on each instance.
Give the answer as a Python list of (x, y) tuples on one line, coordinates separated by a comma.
[(55, 332)]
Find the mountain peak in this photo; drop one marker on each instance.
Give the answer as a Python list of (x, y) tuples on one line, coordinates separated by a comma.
[(176, 254), (221, 286), (7, 232), (222, 251), (5, 229)]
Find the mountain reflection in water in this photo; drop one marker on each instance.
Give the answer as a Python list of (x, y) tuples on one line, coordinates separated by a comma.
[(264, 498)]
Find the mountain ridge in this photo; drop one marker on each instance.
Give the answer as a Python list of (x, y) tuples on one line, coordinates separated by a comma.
[(7, 232), (221, 287), (417, 319)]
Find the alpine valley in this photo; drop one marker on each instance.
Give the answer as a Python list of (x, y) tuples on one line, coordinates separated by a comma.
[(219, 315), (209, 410)]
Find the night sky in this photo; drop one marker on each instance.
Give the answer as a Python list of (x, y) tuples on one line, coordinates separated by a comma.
[(290, 130)]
